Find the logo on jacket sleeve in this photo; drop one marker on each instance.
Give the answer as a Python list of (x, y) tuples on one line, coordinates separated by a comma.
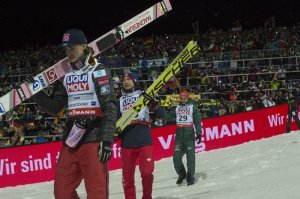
[(77, 83), (105, 89), (103, 80), (99, 73)]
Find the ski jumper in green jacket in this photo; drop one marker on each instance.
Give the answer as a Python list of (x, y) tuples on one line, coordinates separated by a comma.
[(188, 123), (293, 105)]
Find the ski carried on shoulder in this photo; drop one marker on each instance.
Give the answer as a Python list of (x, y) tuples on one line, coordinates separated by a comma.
[(188, 52), (58, 70)]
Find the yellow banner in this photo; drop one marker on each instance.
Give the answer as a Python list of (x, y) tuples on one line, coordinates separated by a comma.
[(174, 100)]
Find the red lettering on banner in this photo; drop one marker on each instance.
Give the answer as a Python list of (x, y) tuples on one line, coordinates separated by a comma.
[(36, 163), (232, 129), (276, 119)]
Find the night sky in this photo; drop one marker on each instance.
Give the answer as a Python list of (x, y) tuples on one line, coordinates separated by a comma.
[(29, 22)]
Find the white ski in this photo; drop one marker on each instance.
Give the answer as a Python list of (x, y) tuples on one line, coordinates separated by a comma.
[(58, 70)]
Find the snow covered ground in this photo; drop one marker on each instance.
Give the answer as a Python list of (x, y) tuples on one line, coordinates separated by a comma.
[(265, 169)]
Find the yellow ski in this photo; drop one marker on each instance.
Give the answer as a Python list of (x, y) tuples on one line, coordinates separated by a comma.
[(188, 52)]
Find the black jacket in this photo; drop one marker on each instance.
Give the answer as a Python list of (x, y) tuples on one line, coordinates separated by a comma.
[(99, 128), (137, 135)]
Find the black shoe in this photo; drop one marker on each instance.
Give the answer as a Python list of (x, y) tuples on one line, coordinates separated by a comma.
[(190, 183), (190, 179), (181, 176), (180, 179)]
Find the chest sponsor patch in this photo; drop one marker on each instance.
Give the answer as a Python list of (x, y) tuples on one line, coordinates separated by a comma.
[(103, 80), (183, 110), (105, 89), (99, 73), (77, 83), (128, 103)]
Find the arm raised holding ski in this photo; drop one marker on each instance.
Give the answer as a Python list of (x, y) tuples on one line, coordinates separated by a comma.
[(188, 52)]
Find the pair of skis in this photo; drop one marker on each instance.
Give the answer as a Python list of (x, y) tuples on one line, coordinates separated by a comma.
[(58, 70)]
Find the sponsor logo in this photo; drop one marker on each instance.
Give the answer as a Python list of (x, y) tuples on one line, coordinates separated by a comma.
[(81, 96), (21, 94), (35, 85), (99, 73), (183, 111), (176, 66), (2, 109), (82, 112), (139, 24), (79, 64), (51, 75), (103, 80), (105, 90), (77, 83), (232, 129), (93, 103), (167, 143), (66, 37), (129, 102), (42, 81), (78, 104)]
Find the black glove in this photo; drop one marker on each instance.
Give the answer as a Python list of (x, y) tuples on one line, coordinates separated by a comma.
[(153, 105), (117, 134), (81, 123), (198, 139), (104, 152)]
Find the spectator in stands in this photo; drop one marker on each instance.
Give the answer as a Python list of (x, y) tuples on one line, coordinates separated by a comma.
[(15, 139), (248, 106), (241, 107), (216, 45), (222, 110), (2, 143), (213, 111), (40, 138)]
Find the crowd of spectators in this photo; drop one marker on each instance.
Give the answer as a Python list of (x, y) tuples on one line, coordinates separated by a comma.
[(235, 84)]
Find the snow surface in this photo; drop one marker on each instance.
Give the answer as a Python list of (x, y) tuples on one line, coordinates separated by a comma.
[(264, 169)]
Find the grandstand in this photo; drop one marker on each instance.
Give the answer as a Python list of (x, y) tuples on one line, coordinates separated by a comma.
[(236, 71)]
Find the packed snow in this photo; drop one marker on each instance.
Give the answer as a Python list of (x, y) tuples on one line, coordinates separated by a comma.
[(265, 169)]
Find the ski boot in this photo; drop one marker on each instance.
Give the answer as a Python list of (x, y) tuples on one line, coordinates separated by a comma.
[(181, 176), (190, 179)]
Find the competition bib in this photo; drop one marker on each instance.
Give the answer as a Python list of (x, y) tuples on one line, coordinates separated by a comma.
[(184, 114)]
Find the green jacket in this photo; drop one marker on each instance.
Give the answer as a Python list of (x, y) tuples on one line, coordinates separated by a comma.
[(293, 104), (187, 132)]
